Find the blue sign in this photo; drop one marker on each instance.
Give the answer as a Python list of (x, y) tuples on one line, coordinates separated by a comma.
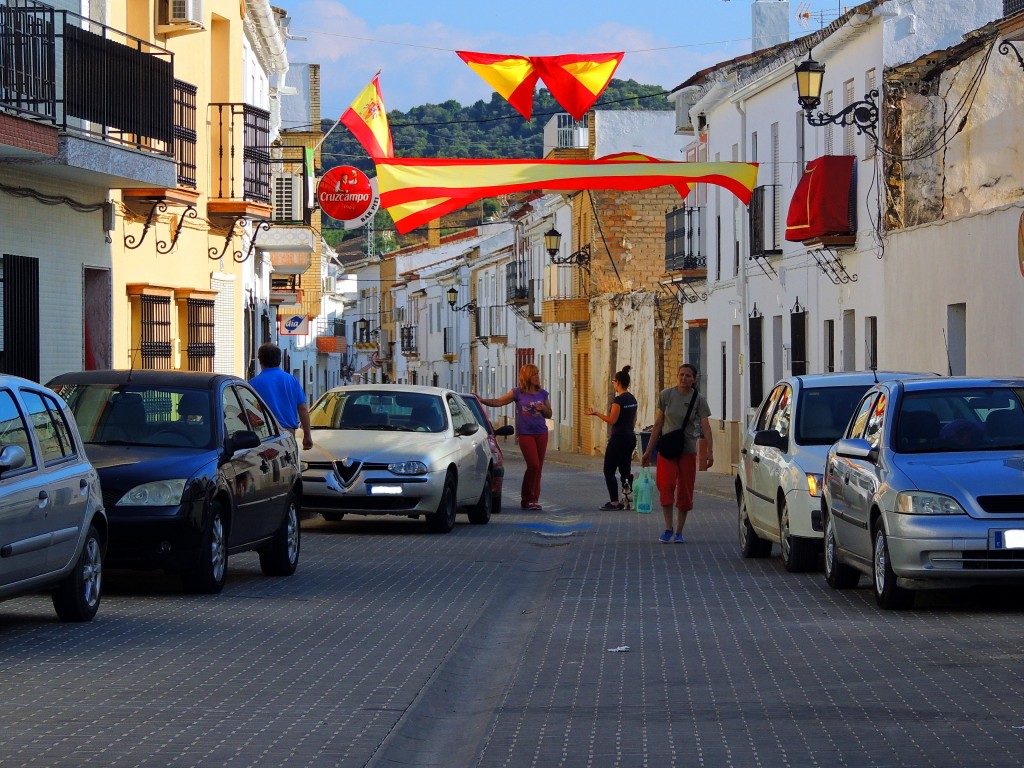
[(294, 322)]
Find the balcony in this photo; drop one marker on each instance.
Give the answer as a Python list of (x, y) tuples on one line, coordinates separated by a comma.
[(284, 289), (766, 221), (685, 245), (565, 309), (407, 341), (330, 336), (289, 262), (490, 323), (83, 102), (450, 353), (517, 284), (240, 162)]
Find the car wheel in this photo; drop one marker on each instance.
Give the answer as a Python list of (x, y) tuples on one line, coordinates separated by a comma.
[(77, 597), (210, 573), (281, 556), (443, 520), (798, 554), (838, 575), (888, 595), (751, 545), (333, 517), (480, 513)]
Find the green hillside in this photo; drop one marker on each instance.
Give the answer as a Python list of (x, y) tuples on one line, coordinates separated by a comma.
[(484, 129)]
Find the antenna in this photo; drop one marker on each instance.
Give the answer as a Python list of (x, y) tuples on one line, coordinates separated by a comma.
[(131, 363)]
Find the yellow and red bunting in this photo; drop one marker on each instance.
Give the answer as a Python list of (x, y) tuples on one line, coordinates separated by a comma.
[(576, 80), (513, 77), (418, 190), (368, 121)]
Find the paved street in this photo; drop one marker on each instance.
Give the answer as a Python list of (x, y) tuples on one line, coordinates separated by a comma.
[(491, 646)]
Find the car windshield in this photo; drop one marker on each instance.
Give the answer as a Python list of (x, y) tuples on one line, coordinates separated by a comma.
[(108, 414), (822, 413), (380, 410), (961, 420)]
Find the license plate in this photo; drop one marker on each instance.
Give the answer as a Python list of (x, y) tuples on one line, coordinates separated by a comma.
[(1012, 539)]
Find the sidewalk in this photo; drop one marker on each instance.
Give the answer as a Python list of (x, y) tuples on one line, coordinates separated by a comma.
[(711, 483)]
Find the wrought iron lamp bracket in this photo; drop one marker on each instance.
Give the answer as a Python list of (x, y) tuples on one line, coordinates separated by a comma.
[(162, 246), (580, 258), (129, 240), (469, 306), (1005, 46), (863, 115)]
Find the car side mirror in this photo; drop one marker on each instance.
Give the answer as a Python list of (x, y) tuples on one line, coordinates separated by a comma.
[(240, 441), (771, 438), (856, 448), (505, 431), (469, 428), (11, 457)]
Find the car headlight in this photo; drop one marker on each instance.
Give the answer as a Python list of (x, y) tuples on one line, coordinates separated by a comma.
[(160, 493), (924, 503), (814, 484), (408, 468)]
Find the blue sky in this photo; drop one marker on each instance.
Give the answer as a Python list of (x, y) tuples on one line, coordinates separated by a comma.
[(413, 42)]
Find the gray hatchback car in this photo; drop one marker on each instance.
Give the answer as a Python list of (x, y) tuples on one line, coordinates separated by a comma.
[(53, 529), (926, 488)]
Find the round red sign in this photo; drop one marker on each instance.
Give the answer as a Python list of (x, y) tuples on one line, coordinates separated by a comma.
[(346, 194)]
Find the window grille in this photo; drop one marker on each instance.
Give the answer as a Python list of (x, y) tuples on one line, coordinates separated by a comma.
[(155, 332), (200, 335)]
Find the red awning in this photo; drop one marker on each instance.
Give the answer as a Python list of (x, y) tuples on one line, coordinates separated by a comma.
[(824, 204)]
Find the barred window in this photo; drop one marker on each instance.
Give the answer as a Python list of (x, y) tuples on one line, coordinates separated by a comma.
[(200, 335), (155, 332)]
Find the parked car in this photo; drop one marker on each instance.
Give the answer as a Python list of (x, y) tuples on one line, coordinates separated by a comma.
[(193, 467), (498, 458), (926, 488), (53, 530), (398, 450), (778, 480)]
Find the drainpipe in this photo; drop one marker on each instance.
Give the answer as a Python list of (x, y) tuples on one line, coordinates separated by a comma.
[(741, 107), (272, 36)]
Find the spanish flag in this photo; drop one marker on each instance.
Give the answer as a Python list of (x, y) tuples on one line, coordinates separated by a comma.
[(576, 80), (513, 77), (368, 121)]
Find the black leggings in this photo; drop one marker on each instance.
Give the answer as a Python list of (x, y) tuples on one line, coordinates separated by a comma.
[(618, 455)]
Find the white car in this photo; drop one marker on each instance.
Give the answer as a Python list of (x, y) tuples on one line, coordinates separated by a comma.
[(397, 450), (53, 528), (778, 481)]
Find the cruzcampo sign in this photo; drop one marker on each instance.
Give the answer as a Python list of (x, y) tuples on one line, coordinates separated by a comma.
[(345, 193)]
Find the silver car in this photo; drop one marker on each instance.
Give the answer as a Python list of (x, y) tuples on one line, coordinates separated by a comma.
[(397, 450), (926, 488), (53, 529), (778, 480)]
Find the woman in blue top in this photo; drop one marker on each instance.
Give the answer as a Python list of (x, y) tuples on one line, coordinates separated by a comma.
[(533, 407), (621, 440)]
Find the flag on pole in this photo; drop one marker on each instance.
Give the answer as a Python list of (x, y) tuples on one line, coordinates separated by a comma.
[(368, 121), (513, 77)]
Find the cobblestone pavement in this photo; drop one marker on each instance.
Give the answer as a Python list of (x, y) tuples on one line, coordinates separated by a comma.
[(505, 645)]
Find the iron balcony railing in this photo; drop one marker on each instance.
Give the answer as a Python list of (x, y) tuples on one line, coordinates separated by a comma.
[(766, 221), (407, 340), (85, 77), (241, 143), (571, 133), (332, 326), (685, 243), (517, 282)]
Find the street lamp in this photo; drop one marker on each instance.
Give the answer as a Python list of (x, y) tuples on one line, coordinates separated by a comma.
[(552, 241), (453, 297), (863, 115), (552, 244)]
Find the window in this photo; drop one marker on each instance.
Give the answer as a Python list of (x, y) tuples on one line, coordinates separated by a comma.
[(155, 332), (829, 336), (262, 423), (51, 430), (956, 332), (860, 420), (848, 130), (756, 342), (849, 340), (233, 419), (829, 145), (200, 334), (798, 342), (461, 415), (765, 413), (12, 428), (782, 416), (875, 422), (871, 342)]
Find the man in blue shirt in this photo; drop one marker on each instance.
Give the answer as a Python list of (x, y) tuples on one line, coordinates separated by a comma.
[(282, 393)]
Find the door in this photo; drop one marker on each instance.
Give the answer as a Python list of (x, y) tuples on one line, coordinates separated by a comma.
[(770, 463), (279, 460), (24, 531), (474, 452), (849, 480), (861, 483), (64, 474)]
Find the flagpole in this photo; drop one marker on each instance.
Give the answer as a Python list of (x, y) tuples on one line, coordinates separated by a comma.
[(338, 121)]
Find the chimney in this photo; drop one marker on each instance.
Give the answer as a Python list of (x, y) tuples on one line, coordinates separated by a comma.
[(434, 233), (769, 23)]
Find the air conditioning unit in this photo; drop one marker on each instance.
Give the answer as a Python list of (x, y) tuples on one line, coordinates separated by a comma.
[(329, 284), (185, 12)]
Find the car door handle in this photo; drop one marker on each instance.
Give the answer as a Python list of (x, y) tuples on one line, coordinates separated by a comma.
[(83, 483), (743, 451), (44, 499), (846, 479), (264, 466), (757, 459)]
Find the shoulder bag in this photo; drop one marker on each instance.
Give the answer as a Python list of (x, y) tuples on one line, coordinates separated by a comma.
[(673, 444)]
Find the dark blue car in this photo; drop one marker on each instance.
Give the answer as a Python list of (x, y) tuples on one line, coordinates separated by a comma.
[(193, 468)]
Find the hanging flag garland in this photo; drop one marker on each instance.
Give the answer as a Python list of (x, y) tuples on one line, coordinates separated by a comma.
[(575, 80)]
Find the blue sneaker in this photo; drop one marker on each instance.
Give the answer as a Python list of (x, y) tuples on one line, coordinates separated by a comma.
[(679, 538), (666, 537)]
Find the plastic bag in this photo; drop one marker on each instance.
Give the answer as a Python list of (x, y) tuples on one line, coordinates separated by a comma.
[(643, 492)]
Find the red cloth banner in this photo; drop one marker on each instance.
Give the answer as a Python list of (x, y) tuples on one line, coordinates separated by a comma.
[(821, 203)]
